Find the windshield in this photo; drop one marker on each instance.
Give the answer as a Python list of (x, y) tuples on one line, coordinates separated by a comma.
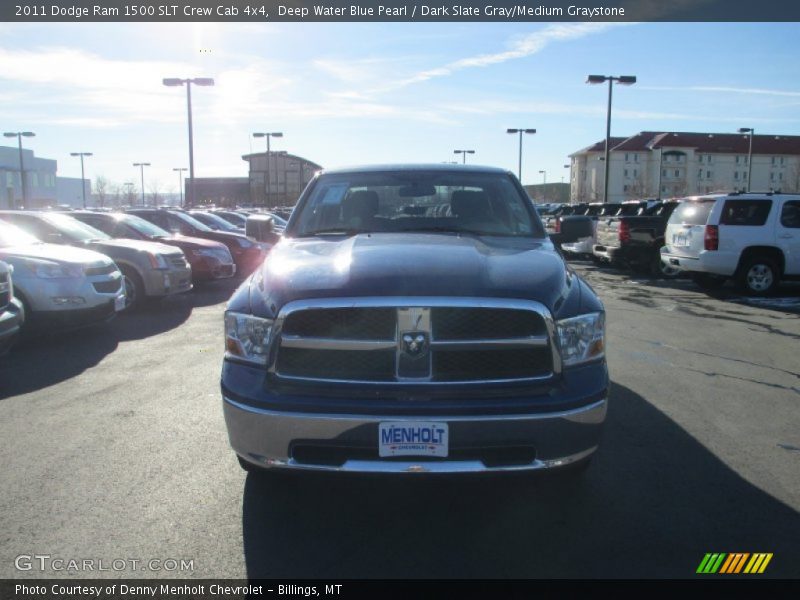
[(10, 235), (232, 217), (143, 227), (74, 229), (190, 220), (393, 201), (215, 222)]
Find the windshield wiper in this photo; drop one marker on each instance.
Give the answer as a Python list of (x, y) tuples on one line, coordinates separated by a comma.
[(444, 229)]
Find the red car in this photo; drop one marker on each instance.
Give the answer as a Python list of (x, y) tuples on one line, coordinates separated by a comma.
[(247, 254), (208, 259)]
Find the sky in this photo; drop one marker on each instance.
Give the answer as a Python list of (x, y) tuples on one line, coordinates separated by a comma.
[(364, 93)]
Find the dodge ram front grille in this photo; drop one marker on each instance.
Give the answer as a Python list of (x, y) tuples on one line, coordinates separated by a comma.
[(414, 341)]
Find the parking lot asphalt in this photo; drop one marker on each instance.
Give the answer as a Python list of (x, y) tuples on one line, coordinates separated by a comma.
[(114, 447)]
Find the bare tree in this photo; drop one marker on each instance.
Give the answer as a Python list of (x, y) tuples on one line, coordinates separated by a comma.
[(637, 188), (116, 195), (792, 182), (130, 195), (101, 188), (155, 195)]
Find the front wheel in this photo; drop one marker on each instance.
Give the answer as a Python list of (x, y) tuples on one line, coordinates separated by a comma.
[(759, 276), (134, 288), (661, 269)]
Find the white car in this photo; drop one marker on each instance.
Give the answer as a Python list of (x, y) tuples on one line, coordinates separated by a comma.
[(753, 238)]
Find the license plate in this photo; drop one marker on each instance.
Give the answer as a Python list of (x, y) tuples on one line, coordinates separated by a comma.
[(680, 240), (412, 438), (119, 303)]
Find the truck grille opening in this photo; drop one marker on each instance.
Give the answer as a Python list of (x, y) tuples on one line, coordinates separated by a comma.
[(415, 344), (108, 287), (343, 323)]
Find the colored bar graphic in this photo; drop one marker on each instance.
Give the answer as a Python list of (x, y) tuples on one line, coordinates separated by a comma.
[(729, 564)]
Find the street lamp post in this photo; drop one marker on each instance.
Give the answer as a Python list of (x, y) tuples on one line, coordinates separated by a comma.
[(19, 135), (624, 80), (180, 171), (83, 183), (544, 184), (750, 131), (141, 166), (520, 132), (172, 82), (268, 135), (463, 154)]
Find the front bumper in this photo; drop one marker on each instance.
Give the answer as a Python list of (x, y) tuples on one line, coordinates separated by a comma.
[(210, 268), (166, 282), (633, 254), (539, 429)]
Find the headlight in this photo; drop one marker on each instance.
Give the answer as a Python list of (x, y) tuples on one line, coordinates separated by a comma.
[(244, 243), (157, 261), (247, 337), (582, 339), (51, 270)]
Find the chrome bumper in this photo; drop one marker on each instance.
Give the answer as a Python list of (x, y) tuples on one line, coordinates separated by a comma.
[(265, 438)]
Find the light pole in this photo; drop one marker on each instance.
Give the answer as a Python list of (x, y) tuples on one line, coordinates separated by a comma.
[(268, 135), (544, 184), (180, 171), (142, 165), (624, 80), (463, 154), (172, 82), (520, 132), (83, 183), (750, 131), (19, 135)]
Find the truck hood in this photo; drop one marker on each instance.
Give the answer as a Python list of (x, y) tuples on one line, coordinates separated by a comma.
[(409, 264), (56, 253)]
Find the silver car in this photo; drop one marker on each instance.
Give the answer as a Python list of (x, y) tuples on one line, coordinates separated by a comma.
[(149, 269), (61, 286)]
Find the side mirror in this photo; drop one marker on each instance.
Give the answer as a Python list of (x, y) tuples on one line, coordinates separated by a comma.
[(260, 228)]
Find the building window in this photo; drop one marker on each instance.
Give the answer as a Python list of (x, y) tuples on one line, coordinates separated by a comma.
[(737, 159), (773, 160), (635, 172), (772, 176), (626, 157), (663, 172), (677, 172), (625, 172), (624, 188), (744, 175), (635, 158), (668, 158), (663, 189), (736, 175), (780, 176), (708, 174), (782, 160)]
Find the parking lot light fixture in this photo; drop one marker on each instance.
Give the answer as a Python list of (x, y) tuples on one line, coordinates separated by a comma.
[(463, 154), (174, 82), (83, 184), (623, 80), (180, 171), (19, 135), (141, 166), (750, 131), (520, 132)]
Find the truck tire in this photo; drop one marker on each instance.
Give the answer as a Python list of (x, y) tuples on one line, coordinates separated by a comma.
[(660, 269), (759, 276)]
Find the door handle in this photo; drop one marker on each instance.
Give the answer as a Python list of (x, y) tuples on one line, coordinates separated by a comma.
[(786, 236)]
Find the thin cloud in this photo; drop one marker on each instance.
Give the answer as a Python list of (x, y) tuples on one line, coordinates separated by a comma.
[(522, 47), (724, 90)]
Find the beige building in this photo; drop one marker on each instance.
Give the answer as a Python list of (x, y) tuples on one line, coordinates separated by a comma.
[(278, 179), (654, 164)]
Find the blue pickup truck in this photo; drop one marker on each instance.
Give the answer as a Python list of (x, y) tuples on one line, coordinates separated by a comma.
[(414, 318)]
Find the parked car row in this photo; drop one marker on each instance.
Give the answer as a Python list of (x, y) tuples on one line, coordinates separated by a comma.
[(751, 238), (83, 267)]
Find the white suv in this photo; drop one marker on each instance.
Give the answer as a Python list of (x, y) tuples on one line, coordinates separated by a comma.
[(753, 238)]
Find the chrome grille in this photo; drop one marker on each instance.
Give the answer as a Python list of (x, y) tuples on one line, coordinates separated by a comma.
[(177, 260), (422, 340)]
